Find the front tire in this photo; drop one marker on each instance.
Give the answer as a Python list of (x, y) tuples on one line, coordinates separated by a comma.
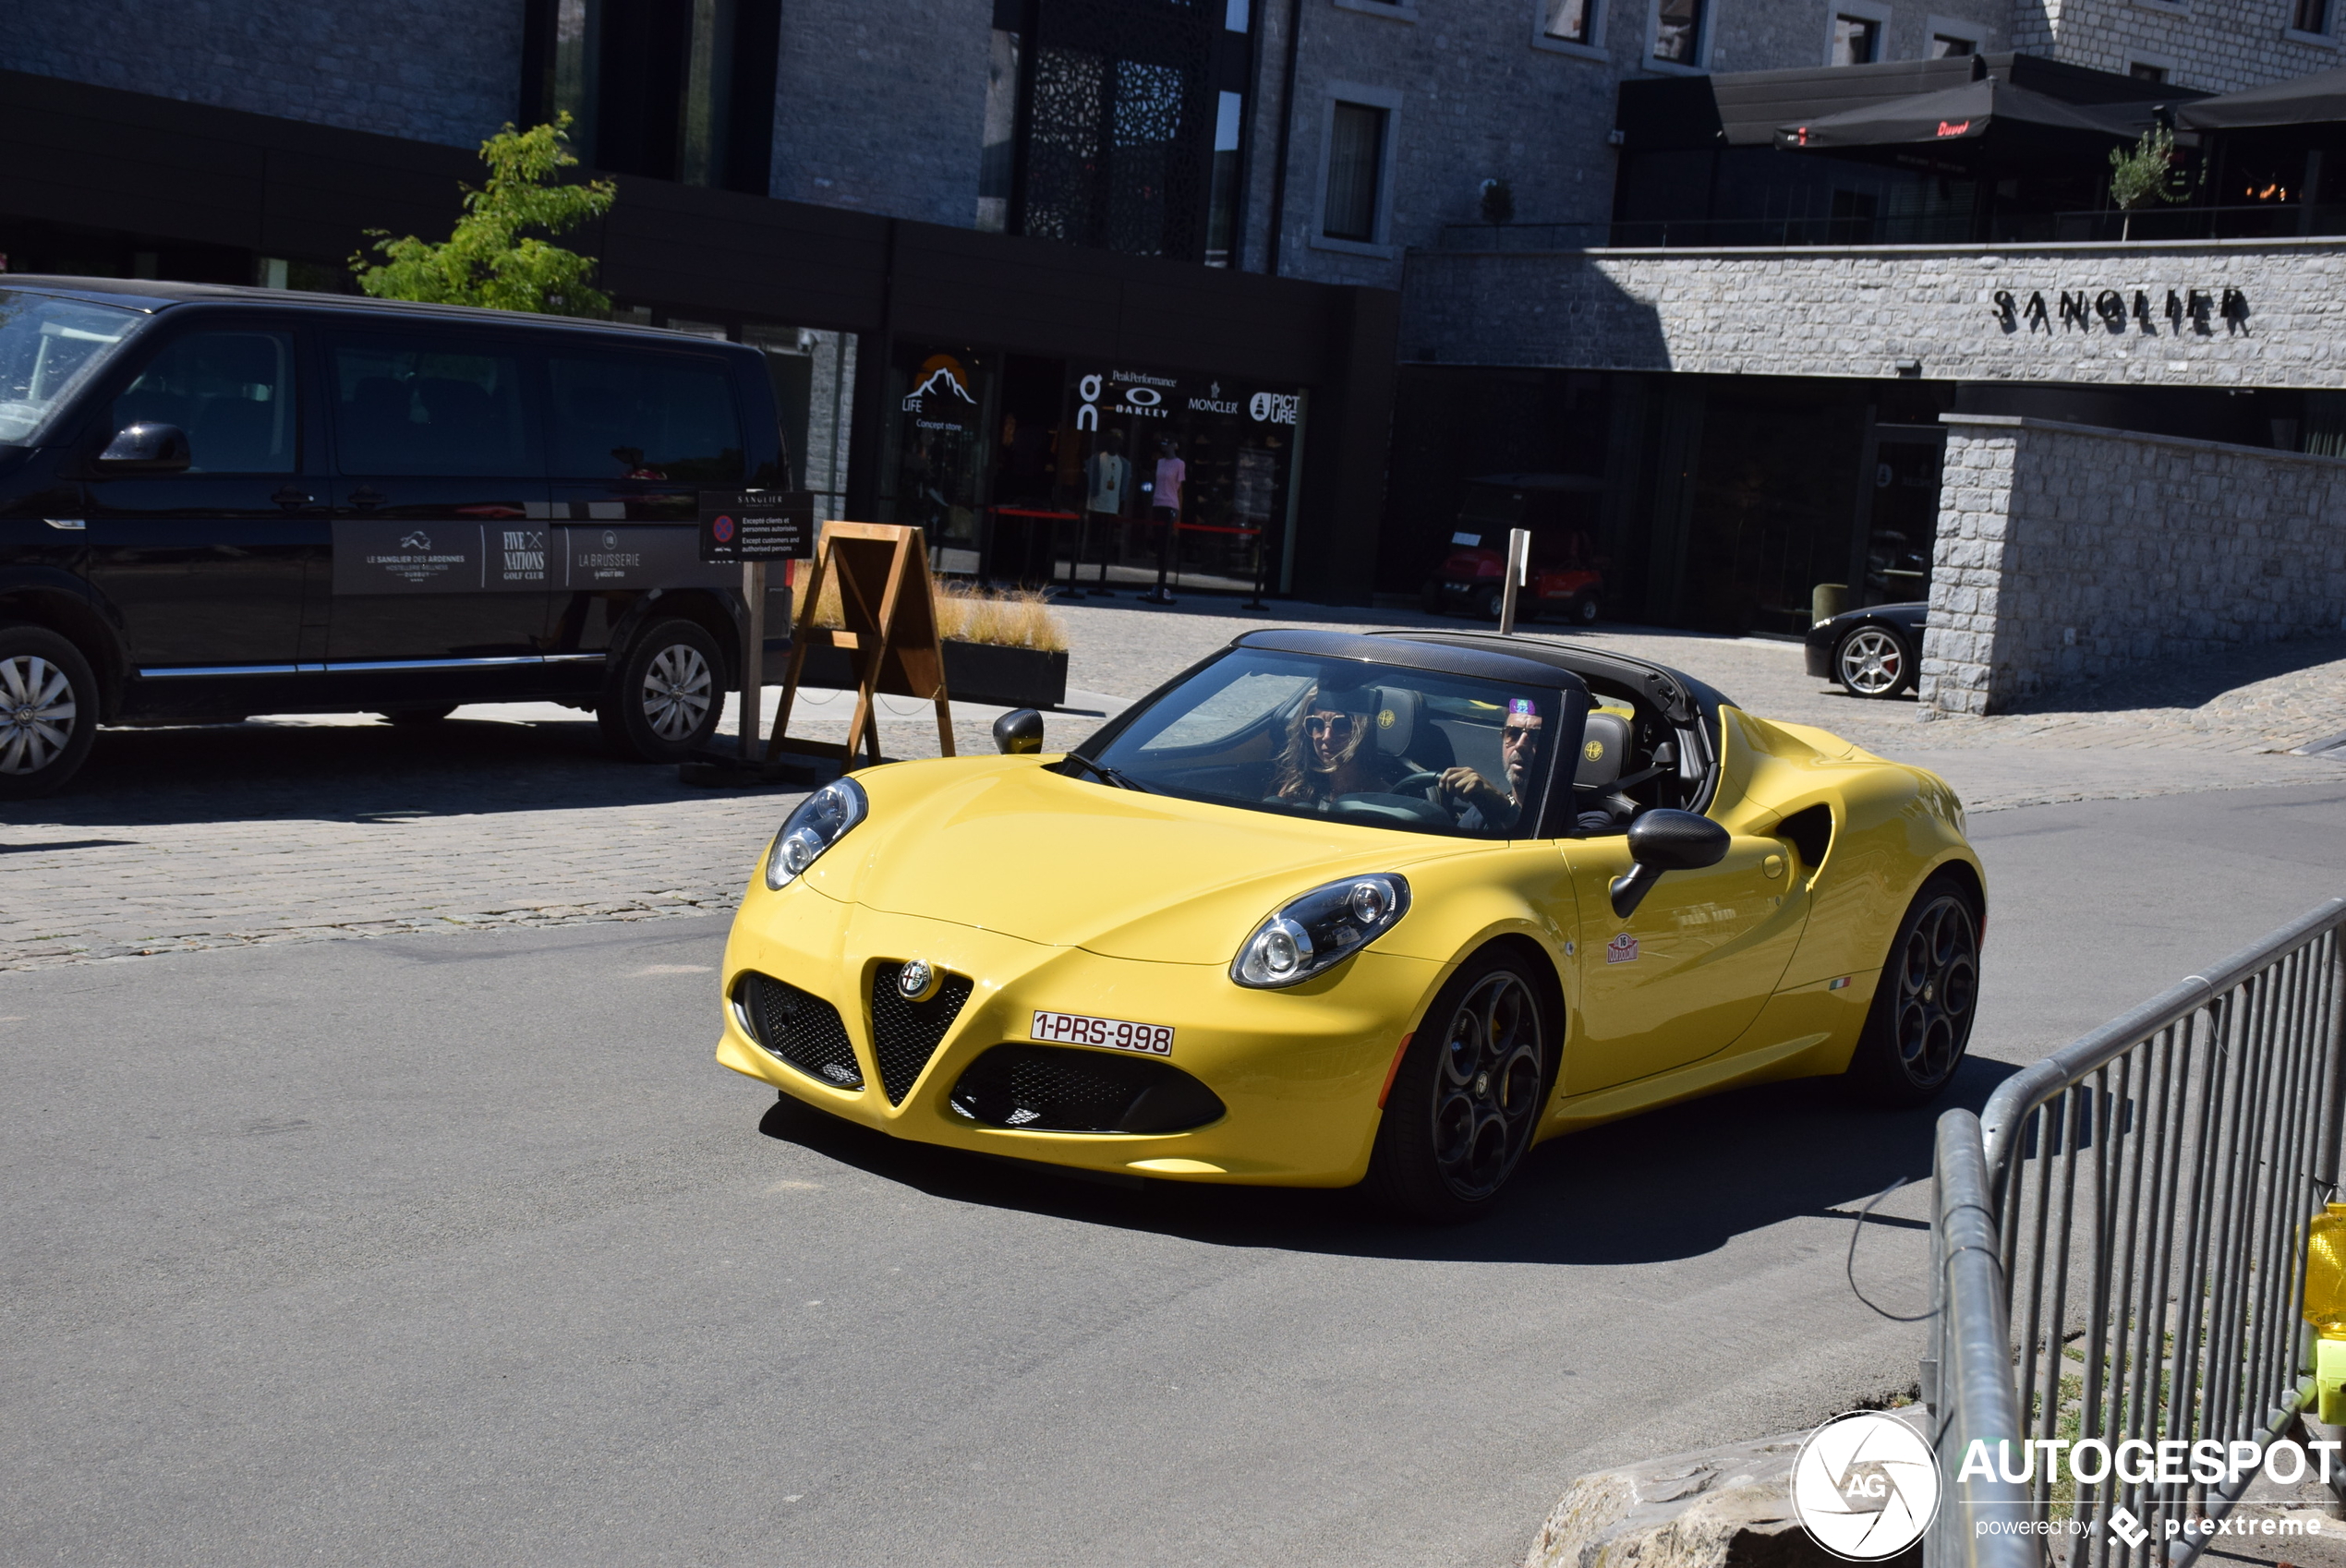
[(1920, 1025), (1490, 603), (48, 711), (1582, 612), (668, 698), (1873, 661), (1467, 1099)]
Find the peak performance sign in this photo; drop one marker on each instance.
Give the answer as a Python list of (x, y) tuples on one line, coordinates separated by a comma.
[(756, 524)]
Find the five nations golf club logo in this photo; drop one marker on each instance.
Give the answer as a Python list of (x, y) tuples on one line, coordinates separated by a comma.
[(1865, 1487)]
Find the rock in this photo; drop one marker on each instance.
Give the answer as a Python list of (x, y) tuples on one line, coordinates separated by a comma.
[(1721, 1508)]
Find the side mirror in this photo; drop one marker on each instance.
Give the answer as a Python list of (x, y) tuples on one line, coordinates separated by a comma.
[(1018, 733), (1666, 840), (147, 449)]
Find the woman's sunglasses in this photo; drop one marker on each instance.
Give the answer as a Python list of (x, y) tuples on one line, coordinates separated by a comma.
[(1335, 725)]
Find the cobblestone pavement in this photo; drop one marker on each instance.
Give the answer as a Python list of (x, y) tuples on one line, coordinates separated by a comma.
[(301, 829)]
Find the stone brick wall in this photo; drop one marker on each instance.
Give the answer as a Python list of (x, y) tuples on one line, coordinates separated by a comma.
[(880, 105), (432, 70), (2214, 45), (1866, 311), (2067, 552)]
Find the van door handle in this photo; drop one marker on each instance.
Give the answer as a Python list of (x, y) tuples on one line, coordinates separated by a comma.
[(368, 497), (290, 496)]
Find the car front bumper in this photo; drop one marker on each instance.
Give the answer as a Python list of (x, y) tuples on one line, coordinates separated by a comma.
[(1300, 1071), (1818, 646)]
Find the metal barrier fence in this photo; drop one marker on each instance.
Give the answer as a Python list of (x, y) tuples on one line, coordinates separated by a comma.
[(2118, 1246)]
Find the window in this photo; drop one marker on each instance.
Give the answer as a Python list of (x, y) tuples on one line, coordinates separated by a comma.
[(405, 406), (1567, 20), (48, 348), (1946, 46), (1856, 40), (1221, 213), (232, 392), (629, 417), (2310, 16), (2142, 70), (1356, 159), (1677, 30)]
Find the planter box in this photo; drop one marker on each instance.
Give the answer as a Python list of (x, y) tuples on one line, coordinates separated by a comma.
[(975, 673)]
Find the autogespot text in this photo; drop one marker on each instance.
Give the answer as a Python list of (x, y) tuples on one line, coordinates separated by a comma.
[(2139, 1462)]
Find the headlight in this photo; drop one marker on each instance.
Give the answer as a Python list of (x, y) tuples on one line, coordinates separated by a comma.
[(1323, 928), (821, 820)]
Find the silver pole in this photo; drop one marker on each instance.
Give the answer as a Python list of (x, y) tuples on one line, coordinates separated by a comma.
[(752, 660), (1518, 569)]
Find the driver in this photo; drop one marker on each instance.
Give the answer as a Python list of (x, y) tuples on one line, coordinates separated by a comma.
[(1481, 806), (1330, 750)]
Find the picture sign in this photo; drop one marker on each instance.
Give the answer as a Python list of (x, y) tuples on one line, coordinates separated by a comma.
[(756, 524)]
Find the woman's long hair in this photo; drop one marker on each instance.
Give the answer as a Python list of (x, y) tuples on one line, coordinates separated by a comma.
[(1297, 777)]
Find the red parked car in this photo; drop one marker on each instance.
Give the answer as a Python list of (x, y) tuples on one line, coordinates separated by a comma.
[(1564, 578)]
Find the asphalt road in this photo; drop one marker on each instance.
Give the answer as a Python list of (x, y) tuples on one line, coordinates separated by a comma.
[(460, 1249)]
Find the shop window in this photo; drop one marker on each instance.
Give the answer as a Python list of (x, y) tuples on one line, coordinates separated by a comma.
[(231, 393), (936, 471), (643, 417), (1677, 30), (1356, 159), (668, 90), (1567, 21), (449, 407), (1856, 40)]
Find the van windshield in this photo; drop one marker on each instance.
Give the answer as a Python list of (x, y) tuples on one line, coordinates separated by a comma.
[(49, 347)]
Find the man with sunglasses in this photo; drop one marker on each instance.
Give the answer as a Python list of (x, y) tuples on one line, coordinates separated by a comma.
[(1483, 805)]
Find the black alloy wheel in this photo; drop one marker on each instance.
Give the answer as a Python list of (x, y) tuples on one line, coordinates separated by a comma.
[(668, 694), (48, 711), (1464, 1105), (1873, 661), (1919, 1024), (1583, 609), (1490, 603)]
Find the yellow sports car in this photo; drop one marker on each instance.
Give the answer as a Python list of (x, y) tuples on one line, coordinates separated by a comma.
[(1330, 907)]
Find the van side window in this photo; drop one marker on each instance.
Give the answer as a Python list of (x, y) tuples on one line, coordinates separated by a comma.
[(621, 417), (421, 406), (232, 392)]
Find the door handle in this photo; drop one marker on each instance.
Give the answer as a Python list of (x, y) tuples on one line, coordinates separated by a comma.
[(290, 496), (368, 497)]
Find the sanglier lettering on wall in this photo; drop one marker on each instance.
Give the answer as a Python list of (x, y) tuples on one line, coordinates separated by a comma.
[(2083, 310)]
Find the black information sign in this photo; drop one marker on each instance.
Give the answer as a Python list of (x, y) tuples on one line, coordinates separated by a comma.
[(756, 524)]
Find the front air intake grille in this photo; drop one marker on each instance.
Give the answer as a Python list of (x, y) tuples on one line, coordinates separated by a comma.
[(802, 1029), (904, 1034), (1056, 1089)]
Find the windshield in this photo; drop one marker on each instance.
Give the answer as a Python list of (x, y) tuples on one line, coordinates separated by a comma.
[(49, 347), (1377, 745)]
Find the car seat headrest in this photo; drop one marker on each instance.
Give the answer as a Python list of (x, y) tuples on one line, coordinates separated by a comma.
[(1395, 719), (1604, 747)]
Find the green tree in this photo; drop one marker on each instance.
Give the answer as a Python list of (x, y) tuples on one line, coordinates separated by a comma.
[(495, 256), (2145, 175)]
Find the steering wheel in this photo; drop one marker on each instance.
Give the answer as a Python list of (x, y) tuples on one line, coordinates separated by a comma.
[(1414, 783), (1402, 808)]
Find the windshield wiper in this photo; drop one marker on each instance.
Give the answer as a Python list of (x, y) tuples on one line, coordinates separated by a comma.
[(1121, 780)]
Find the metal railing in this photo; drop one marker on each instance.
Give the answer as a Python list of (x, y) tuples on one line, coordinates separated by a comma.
[(2098, 227), (2118, 1246)]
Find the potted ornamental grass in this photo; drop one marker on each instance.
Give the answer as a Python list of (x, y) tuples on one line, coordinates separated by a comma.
[(1003, 646)]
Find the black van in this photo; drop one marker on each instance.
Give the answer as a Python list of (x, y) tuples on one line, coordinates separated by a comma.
[(223, 501)]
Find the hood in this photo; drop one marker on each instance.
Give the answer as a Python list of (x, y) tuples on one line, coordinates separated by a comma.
[(1006, 845)]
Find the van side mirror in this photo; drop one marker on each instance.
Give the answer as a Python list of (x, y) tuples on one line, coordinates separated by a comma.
[(147, 448), (1018, 733), (1666, 840)]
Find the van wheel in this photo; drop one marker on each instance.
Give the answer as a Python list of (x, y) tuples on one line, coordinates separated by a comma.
[(668, 698), (48, 711)]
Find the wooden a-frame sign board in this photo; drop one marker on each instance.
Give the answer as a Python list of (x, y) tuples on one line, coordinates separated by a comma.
[(889, 607)]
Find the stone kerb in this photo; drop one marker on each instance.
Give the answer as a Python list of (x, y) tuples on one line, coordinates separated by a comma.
[(2067, 552)]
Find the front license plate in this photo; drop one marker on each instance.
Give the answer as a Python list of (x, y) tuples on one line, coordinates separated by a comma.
[(1116, 1035)]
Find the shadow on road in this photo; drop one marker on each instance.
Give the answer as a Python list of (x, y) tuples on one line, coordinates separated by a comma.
[(1676, 1183), (348, 772)]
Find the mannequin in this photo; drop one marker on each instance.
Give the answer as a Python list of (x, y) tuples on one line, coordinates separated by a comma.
[(1166, 508), (1108, 479)]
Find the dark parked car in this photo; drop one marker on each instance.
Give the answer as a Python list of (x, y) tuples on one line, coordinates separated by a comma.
[(223, 501), (1874, 652)]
